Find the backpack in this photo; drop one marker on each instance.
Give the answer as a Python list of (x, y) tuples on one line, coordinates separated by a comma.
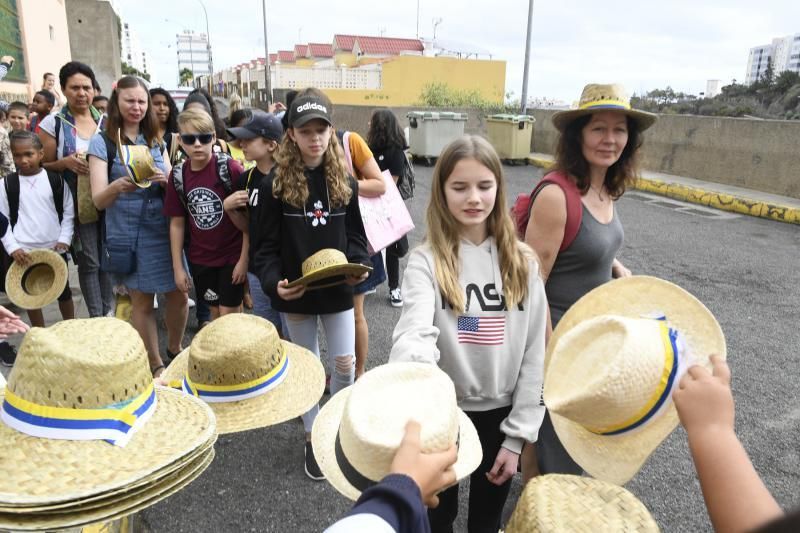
[(12, 192), (223, 173), (521, 211), (406, 182)]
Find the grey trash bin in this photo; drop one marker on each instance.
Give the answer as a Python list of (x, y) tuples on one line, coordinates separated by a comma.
[(431, 131)]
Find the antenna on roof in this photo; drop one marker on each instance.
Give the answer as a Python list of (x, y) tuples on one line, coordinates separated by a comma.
[(436, 22)]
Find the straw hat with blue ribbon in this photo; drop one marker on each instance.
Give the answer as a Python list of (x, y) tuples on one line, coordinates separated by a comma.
[(598, 97), (357, 433), (612, 364), (250, 377), (81, 420), (40, 282), (138, 162)]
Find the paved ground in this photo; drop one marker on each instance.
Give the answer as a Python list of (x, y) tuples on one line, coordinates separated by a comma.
[(744, 269)]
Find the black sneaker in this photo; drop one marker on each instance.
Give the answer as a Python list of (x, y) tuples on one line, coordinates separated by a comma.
[(396, 298), (8, 354), (311, 467)]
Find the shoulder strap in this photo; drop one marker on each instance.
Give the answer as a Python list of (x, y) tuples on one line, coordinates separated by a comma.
[(224, 146), (177, 182), (574, 205), (12, 193), (249, 177), (57, 129), (224, 172), (173, 147), (57, 186), (111, 152)]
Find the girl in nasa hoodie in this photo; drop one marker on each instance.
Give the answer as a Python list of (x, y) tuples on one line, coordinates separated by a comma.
[(475, 304)]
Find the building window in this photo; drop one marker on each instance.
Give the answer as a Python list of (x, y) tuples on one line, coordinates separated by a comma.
[(11, 40)]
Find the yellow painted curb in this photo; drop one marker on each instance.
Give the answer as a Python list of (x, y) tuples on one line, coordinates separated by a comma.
[(724, 202)]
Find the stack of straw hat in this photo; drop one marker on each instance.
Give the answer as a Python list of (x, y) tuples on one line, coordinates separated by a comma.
[(86, 436)]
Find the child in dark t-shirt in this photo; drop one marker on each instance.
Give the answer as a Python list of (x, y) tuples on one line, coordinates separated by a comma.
[(217, 250)]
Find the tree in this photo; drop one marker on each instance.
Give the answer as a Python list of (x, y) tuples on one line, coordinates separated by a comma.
[(786, 80), (769, 74), (186, 76), (128, 70)]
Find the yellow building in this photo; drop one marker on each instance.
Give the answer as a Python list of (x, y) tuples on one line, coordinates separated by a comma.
[(35, 33)]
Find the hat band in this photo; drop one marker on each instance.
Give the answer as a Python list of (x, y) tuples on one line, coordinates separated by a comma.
[(353, 476), (115, 424), (126, 153), (673, 357), (241, 391), (609, 104)]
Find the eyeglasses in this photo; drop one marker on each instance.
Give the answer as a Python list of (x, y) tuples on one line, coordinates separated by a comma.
[(190, 138)]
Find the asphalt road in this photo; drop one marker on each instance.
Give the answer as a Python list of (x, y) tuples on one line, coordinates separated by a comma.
[(744, 269)]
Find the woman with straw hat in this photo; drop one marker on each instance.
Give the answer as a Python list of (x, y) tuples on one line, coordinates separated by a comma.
[(134, 222), (574, 227)]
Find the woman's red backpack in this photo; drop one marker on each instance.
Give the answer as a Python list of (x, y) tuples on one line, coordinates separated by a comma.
[(521, 211)]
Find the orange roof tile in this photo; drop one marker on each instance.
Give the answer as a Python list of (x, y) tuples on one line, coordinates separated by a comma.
[(320, 50), (387, 45), (300, 50)]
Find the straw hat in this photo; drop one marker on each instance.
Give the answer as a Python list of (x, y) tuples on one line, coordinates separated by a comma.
[(247, 374), (325, 264), (38, 284), (90, 379), (597, 97), (572, 503), (138, 163), (357, 433), (612, 364)]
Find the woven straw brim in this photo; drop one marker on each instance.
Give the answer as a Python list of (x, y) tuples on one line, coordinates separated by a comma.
[(16, 272), (352, 269), (299, 392), (617, 458), (556, 502), (562, 118), (326, 426), (79, 517), (42, 472)]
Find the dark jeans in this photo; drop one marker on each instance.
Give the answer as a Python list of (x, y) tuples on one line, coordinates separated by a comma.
[(550, 453), (486, 500), (393, 254)]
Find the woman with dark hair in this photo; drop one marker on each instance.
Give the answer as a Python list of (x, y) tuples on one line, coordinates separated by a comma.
[(388, 145), (134, 216), (167, 115), (66, 136), (596, 161)]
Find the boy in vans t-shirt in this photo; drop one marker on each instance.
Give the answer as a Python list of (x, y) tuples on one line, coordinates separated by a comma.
[(217, 251)]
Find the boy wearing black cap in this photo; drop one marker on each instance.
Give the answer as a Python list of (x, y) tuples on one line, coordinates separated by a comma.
[(258, 139)]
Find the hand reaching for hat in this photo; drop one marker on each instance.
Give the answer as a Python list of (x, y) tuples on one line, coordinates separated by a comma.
[(432, 472), (704, 400)]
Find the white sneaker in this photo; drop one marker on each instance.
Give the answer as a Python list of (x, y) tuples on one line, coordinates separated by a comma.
[(396, 298), (192, 303)]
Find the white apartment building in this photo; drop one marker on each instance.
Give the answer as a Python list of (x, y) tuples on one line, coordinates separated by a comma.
[(131, 50), (194, 53), (783, 53)]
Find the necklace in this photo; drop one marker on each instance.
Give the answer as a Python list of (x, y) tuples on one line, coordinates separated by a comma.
[(599, 192)]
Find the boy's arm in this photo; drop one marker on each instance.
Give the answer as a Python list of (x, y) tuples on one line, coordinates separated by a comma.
[(735, 496), (177, 225), (68, 220), (240, 269), (9, 242)]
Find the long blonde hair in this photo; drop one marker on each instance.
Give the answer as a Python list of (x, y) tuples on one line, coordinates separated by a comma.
[(290, 184), (444, 233)]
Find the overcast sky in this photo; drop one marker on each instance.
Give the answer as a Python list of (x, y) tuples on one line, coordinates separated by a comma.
[(641, 43)]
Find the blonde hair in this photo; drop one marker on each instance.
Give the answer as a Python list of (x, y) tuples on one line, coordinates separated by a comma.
[(197, 120), (444, 231), (290, 184)]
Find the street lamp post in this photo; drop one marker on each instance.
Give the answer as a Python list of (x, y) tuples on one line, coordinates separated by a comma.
[(208, 47), (267, 85), (526, 70)]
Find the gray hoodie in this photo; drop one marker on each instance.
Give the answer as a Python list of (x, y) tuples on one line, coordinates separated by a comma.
[(494, 356)]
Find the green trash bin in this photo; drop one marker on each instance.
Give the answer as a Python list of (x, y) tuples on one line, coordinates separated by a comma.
[(510, 135), (431, 131)]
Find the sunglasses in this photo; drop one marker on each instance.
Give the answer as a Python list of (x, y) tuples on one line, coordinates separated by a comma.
[(190, 138)]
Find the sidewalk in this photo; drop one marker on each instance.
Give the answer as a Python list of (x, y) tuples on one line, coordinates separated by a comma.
[(716, 195)]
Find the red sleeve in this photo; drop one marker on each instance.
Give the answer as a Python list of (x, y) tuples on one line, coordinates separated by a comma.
[(173, 207)]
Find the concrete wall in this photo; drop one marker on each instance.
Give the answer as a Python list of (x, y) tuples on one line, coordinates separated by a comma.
[(763, 155), (94, 39)]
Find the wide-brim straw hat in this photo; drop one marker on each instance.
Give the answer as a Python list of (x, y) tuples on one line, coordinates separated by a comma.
[(237, 353), (555, 503), (603, 97), (326, 264), (357, 433), (138, 163), (39, 283), (592, 375), (80, 370)]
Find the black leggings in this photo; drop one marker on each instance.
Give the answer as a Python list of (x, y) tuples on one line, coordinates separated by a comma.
[(486, 500), (393, 254)]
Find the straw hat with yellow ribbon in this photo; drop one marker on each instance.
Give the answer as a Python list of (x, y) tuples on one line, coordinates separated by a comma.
[(138, 162), (247, 374), (40, 282), (612, 364), (555, 503), (357, 433), (598, 97), (81, 421), (326, 264)]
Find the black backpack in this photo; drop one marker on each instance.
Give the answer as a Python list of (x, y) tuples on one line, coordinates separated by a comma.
[(12, 192), (223, 172)]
